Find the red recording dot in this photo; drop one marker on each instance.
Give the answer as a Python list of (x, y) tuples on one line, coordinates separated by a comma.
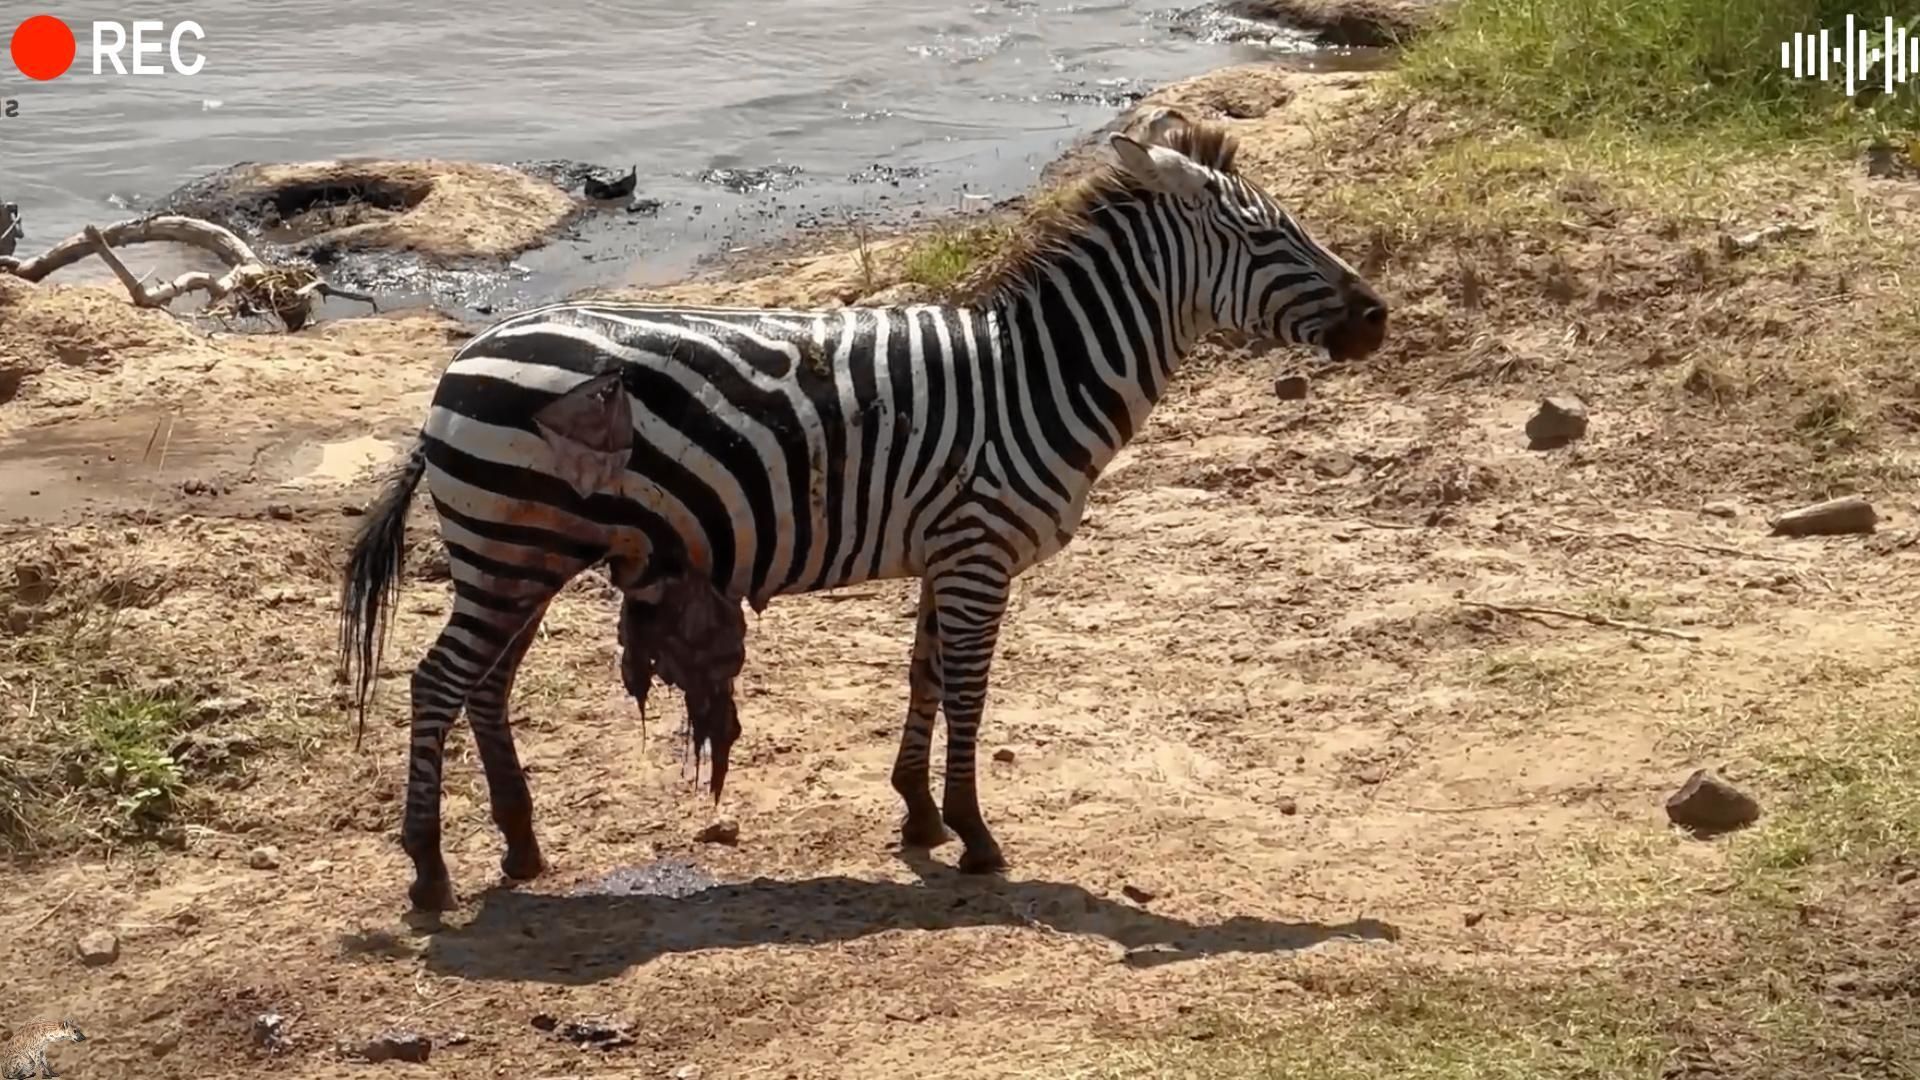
[(43, 48)]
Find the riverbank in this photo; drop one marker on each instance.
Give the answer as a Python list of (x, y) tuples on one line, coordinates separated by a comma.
[(1285, 796)]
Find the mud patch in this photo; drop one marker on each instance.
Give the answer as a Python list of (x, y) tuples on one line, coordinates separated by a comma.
[(427, 228), (675, 879)]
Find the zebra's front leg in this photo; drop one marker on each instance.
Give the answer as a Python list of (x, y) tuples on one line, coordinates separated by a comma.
[(487, 712), (970, 600), (921, 828)]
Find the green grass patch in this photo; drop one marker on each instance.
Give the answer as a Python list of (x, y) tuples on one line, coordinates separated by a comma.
[(1846, 808), (128, 765), (945, 257), (1538, 679), (1567, 67), (125, 745)]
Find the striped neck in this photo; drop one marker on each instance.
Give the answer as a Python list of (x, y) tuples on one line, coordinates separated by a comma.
[(1100, 324)]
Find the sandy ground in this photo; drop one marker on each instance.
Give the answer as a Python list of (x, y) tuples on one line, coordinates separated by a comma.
[(1252, 726)]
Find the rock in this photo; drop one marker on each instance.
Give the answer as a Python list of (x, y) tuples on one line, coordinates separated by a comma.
[(1003, 756), (1372, 772), (544, 1022), (1720, 510), (598, 1032), (723, 831), (1136, 894), (1475, 918), (459, 1038), (1289, 807), (687, 1072), (1291, 387), (270, 1032), (1906, 876), (1559, 420), (1835, 517), (165, 1044), (280, 511), (98, 948), (1333, 464), (222, 708), (397, 1046), (264, 857), (1707, 804)]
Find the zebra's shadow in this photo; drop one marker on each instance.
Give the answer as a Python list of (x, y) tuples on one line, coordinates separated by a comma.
[(527, 936)]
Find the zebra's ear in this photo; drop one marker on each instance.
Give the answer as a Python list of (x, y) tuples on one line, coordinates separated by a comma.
[(1160, 168), (1162, 123)]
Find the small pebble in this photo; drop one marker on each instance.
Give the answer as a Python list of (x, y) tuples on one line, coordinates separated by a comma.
[(723, 831), (1003, 756), (1291, 387), (98, 948), (1835, 517), (1707, 804), (1905, 876), (398, 1046), (264, 857), (1289, 807), (1559, 421), (1136, 894), (1474, 918)]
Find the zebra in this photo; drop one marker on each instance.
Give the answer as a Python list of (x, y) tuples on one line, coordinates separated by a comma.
[(777, 452)]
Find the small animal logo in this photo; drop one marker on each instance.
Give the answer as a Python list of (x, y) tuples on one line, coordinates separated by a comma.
[(24, 1056)]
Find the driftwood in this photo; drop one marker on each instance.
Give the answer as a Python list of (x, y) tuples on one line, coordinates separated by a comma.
[(250, 286)]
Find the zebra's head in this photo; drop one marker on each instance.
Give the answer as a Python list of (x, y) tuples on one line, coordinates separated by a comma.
[(1254, 268)]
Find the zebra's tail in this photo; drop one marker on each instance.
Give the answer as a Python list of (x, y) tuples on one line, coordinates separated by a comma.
[(367, 594)]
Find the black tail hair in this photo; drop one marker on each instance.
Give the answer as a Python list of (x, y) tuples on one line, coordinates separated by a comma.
[(367, 596)]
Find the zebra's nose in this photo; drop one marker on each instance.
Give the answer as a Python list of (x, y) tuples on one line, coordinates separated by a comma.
[(1362, 326)]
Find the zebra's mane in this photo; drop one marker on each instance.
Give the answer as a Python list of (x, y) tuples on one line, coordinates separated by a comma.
[(1059, 217)]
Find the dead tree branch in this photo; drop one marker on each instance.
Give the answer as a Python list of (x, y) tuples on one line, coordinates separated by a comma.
[(250, 285), (1582, 616)]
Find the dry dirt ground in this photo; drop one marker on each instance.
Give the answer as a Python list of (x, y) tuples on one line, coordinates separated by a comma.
[(1264, 759)]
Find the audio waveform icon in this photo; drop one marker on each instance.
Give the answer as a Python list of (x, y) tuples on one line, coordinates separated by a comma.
[(1810, 55)]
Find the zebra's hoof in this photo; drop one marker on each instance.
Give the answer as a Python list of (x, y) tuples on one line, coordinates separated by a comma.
[(523, 865), (923, 831), (982, 860), (433, 894)]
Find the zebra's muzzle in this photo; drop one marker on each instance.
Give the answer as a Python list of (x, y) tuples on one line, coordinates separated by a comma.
[(1362, 326)]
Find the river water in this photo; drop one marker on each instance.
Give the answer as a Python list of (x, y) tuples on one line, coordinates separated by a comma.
[(876, 105)]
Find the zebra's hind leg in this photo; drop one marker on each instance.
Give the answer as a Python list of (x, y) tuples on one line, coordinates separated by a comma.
[(512, 804), (970, 599), (921, 828), (478, 635)]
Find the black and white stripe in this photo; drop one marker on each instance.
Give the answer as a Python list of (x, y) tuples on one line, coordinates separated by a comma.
[(783, 452)]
